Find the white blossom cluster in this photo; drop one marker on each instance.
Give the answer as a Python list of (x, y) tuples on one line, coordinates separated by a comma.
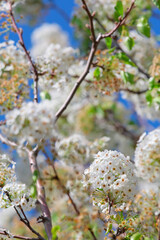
[(16, 194), (6, 234), (148, 207), (12, 193), (54, 65), (44, 36), (7, 172), (13, 58), (31, 122), (76, 149), (111, 180), (147, 156), (4, 6)]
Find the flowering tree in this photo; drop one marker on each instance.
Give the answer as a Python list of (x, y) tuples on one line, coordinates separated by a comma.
[(72, 117)]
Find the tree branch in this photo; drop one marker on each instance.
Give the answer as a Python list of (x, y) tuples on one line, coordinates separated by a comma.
[(21, 41), (25, 219), (94, 46), (5, 233), (121, 49), (41, 194), (6, 141)]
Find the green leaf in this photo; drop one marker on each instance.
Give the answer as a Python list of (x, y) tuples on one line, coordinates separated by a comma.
[(157, 3), (156, 100), (118, 9), (129, 42), (26, 123), (108, 41), (153, 84), (136, 236), (33, 191), (55, 229), (123, 57), (97, 73), (127, 77), (109, 228), (143, 26), (149, 98), (35, 176), (54, 217), (45, 95), (77, 21)]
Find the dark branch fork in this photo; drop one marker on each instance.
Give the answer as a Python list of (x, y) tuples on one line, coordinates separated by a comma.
[(21, 41), (95, 43), (40, 189), (23, 219)]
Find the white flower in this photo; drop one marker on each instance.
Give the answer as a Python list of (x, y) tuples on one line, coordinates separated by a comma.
[(73, 150), (15, 194), (31, 122), (7, 171), (111, 179), (147, 157), (6, 234), (54, 65), (45, 35), (4, 6)]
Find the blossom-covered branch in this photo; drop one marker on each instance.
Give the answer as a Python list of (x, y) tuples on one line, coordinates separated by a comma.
[(94, 46), (122, 50), (21, 41)]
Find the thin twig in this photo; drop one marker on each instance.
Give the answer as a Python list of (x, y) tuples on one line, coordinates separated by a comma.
[(91, 17), (63, 187), (25, 219), (21, 41), (134, 91), (122, 50), (119, 127), (5, 233), (90, 59)]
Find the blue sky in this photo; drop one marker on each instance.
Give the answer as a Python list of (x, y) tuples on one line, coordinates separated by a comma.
[(53, 17)]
